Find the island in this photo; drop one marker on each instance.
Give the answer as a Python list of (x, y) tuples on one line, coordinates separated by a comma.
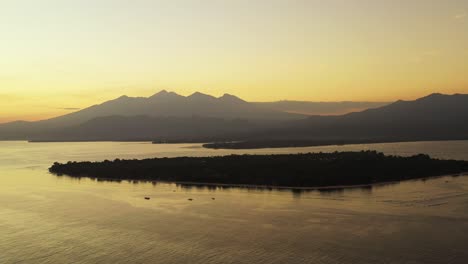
[(288, 170)]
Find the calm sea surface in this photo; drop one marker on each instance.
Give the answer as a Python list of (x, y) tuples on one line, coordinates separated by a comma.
[(49, 219)]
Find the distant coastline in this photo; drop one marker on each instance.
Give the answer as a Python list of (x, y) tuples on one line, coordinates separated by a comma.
[(81, 141), (309, 171), (263, 144), (250, 145)]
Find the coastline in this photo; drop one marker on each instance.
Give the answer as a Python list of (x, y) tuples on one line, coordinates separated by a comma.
[(290, 171), (246, 145), (271, 187), (237, 145)]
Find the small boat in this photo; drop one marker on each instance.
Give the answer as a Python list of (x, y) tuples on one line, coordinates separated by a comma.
[(190, 199), (147, 198)]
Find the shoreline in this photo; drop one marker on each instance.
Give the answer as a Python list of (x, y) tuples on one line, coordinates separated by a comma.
[(258, 144), (251, 145), (282, 171), (270, 187), (82, 141)]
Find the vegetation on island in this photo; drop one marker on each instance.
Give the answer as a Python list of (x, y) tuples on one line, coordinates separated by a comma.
[(290, 170)]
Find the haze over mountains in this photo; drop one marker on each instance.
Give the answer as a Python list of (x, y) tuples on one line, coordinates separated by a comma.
[(164, 113), (167, 116), (320, 108), (170, 104), (434, 117)]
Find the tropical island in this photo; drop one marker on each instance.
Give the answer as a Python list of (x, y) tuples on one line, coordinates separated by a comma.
[(309, 170)]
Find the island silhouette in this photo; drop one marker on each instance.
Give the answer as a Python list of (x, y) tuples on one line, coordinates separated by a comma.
[(290, 170)]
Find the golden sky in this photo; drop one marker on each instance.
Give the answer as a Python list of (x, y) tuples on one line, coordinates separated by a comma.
[(57, 55)]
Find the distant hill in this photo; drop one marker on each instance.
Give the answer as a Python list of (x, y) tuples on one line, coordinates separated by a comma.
[(160, 129), (169, 107), (436, 116), (169, 104), (320, 108), (170, 117)]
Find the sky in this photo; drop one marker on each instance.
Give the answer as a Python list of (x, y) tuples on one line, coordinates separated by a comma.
[(57, 56)]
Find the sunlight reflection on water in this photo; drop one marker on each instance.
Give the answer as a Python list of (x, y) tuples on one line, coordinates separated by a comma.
[(48, 219)]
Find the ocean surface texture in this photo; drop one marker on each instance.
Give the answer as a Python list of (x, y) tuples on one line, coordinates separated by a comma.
[(50, 219)]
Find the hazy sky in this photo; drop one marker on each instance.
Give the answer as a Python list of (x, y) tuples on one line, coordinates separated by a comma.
[(57, 54)]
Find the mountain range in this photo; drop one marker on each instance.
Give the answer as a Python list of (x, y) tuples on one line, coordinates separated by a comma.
[(167, 116), (320, 108), (160, 114), (170, 104), (434, 117)]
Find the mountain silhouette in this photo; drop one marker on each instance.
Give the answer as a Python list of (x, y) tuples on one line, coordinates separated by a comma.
[(163, 105), (170, 104), (145, 128), (320, 108), (167, 116), (433, 117)]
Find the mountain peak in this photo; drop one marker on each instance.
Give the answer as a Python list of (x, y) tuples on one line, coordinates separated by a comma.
[(121, 98), (433, 95), (231, 98), (164, 94), (198, 95), (438, 98)]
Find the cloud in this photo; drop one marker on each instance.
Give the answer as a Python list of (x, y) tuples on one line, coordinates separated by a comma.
[(461, 16)]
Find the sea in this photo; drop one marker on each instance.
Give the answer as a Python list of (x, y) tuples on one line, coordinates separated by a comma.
[(57, 219)]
